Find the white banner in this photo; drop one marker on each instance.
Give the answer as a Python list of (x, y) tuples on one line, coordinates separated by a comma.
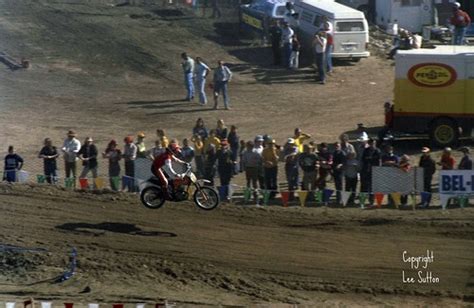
[(456, 182)]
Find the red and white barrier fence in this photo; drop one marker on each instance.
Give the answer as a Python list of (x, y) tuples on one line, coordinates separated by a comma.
[(31, 303)]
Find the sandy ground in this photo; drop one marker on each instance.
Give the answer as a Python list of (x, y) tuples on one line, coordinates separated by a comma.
[(111, 71)]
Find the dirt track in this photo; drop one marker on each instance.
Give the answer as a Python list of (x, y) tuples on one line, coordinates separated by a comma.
[(107, 72)]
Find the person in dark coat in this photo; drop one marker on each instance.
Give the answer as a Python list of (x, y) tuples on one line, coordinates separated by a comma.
[(234, 143), (371, 157), (210, 164), (49, 154), (466, 161), (225, 166), (429, 168), (275, 37), (338, 162)]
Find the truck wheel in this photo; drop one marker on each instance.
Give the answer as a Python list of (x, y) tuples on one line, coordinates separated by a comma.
[(444, 132)]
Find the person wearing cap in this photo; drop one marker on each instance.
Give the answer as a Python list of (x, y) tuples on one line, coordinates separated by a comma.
[(114, 155), (225, 166), (13, 164), (371, 157), (466, 161), (300, 138), (290, 157), (88, 155), (70, 148), (286, 40), (129, 155), (49, 154), (251, 164), (188, 69), (270, 167), (319, 45), (163, 169), (447, 161), (141, 148), (461, 21), (429, 168), (222, 77), (308, 162)]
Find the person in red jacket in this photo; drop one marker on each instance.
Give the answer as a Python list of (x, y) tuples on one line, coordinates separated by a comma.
[(162, 166), (460, 20)]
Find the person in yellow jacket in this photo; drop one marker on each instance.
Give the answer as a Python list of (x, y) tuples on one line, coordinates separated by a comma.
[(162, 137), (270, 155), (198, 154), (212, 139), (300, 138), (141, 148)]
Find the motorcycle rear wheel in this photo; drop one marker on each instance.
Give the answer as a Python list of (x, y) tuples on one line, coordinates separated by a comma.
[(206, 198), (152, 198)]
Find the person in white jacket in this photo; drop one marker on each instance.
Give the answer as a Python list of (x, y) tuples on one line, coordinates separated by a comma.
[(70, 149)]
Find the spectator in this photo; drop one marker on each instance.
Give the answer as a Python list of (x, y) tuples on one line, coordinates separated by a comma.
[(258, 148), (13, 164), (389, 159), (188, 69), (286, 39), (114, 156), (157, 150), (221, 130), (299, 138), (460, 20), (88, 155), (198, 155), (200, 129), (233, 139), (141, 148), (160, 134), (242, 148), (295, 53), (309, 164), (466, 161), (447, 161), (404, 42), (129, 155), (222, 76), (202, 70), (429, 168), (371, 157), (291, 166), (327, 27), (225, 166), (325, 165), (210, 164), (270, 167), (212, 140), (351, 171), (275, 37), (70, 149), (251, 162), (346, 147), (405, 166), (319, 43), (187, 152), (338, 162), (49, 154)]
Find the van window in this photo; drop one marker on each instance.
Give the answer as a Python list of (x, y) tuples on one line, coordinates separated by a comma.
[(307, 17), (317, 21), (349, 26), (281, 10)]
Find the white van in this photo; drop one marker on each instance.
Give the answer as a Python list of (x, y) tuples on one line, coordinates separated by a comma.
[(350, 28)]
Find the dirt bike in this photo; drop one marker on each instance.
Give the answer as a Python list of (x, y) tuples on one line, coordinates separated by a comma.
[(205, 197)]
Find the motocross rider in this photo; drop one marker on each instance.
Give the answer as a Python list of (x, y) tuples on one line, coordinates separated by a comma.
[(162, 166)]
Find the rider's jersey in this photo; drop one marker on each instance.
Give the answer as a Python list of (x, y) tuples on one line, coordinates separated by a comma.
[(164, 162)]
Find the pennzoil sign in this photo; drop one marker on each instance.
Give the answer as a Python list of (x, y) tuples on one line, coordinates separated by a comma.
[(432, 75)]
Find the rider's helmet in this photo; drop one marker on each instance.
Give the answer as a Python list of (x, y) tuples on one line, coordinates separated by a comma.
[(174, 149)]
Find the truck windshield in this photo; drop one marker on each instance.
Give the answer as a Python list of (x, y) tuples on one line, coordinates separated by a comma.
[(349, 26)]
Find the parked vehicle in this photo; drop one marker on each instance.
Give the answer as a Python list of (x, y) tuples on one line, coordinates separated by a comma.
[(204, 197), (434, 93), (350, 33), (258, 15)]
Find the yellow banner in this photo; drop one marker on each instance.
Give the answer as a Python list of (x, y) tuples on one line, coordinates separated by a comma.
[(252, 21), (302, 195)]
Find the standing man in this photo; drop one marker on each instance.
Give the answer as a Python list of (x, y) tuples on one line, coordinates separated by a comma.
[(371, 157), (460, 20), (287, 39), (319, 44), (275, 37), (70, 149), (222, 76), (338, 162), (270, 156), (202, 70), (49, 154), (328, 29), (129, 155), (88, 155), (188, 70), (429, 168), (308, 161), (13, 164), (466, 161)]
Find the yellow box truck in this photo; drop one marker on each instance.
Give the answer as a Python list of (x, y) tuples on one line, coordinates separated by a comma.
[(434, 93)]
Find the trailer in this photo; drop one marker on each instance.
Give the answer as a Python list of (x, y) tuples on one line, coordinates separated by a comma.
[(434, 94)]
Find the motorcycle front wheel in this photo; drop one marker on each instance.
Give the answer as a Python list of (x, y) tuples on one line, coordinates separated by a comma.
[(152, 198), (206, 198)]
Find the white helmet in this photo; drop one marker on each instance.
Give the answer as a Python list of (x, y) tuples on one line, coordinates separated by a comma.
[(457, 5)]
